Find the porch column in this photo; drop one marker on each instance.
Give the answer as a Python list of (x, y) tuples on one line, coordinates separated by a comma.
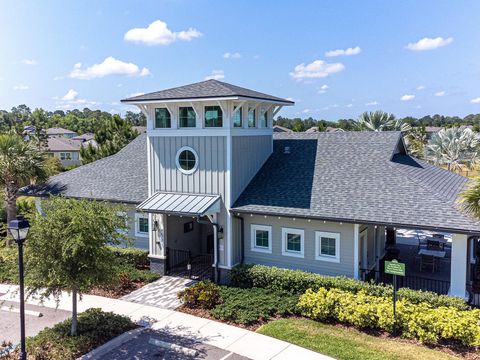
[(157, 236), (356, 234), (458, 272)]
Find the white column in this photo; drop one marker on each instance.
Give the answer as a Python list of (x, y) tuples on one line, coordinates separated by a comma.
[(157, 238), (356, 230), (458, 272)]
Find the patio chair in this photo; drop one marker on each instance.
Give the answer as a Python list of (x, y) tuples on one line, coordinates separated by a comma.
[(428, 261)]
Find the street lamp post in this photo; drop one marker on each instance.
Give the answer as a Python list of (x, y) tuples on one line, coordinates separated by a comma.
[(18, 228)]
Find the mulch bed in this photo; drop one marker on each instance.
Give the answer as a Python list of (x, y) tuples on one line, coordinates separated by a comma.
[(117, 293)]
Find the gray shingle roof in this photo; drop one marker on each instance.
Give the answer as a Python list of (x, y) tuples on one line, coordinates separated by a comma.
[(355, 177), (63, 144), (59, 131), (205, 89), (121, 177)]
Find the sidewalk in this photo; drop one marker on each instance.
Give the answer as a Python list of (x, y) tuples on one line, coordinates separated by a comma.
[(227, 337)]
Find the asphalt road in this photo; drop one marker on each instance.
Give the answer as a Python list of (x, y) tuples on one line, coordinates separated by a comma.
[(10, 321), (141, 348)]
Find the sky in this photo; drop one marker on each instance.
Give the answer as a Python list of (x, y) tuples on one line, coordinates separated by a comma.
[(335, 59)]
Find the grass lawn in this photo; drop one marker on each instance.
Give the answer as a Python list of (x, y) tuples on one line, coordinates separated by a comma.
[(345, 343)]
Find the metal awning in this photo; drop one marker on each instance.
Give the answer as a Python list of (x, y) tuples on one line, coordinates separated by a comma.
[(181, 204)]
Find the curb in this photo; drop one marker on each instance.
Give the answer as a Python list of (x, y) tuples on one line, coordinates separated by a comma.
[(112, 344)]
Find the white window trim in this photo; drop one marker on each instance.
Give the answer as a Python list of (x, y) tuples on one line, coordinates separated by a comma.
[(318, 256), (253, 242), (285, 252), (139, 233), (177, 162)]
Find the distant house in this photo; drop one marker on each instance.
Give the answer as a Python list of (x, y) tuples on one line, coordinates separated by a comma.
[(66, 150), (313, 129), (332, 129), (60, 132), (86, 139), (281, 129)]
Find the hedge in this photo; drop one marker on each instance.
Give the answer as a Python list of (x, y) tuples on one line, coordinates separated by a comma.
[(132, 256), (418, 321), (297, 282)]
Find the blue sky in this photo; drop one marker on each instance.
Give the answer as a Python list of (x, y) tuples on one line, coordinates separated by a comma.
[(405, 57)]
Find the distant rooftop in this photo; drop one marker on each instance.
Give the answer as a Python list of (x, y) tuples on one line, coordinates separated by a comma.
[(204, 90), (59, 131), (63, 144)]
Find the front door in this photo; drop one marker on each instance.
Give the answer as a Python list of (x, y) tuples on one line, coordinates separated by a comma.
[(210, 244)]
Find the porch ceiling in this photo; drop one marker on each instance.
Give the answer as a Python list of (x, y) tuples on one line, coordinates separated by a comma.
[(181, 204)]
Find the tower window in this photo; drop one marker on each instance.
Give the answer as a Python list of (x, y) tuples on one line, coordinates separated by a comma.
[(187, 160), (162, 118), (237, 118), (251, 118), (187, 117), (213, 116)]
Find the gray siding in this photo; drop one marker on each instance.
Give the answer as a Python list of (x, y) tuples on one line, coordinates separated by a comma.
[(138, 241), (308, 263), (249, 153), (210, 175)]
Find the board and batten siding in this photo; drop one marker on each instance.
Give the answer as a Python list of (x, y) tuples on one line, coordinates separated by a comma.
[(249, 153), (308, 262), (210, 175)]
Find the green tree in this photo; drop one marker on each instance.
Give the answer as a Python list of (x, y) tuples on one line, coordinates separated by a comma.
[(21, 164), (416, 140), (53, 166), (110, 137), (453, 148), (381, 121), (67, 249), (470, 199)]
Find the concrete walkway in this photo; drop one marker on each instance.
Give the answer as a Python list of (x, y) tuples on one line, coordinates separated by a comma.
[(230, 338), (161, 293)]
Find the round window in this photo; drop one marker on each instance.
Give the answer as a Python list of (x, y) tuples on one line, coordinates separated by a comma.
[(187, 160)]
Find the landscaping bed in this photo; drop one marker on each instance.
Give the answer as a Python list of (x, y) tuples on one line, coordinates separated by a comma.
[(95, 328)]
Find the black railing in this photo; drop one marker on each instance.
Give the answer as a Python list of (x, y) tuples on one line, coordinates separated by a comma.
[(182, 263), (412, 282)]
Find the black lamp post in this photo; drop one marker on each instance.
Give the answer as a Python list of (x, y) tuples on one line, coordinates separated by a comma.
[(19, 230)]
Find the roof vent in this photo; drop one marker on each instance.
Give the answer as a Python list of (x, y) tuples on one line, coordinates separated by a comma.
[(286, 150)]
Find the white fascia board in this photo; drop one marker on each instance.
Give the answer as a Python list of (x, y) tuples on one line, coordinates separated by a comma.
[(210, 132), (188, 100)]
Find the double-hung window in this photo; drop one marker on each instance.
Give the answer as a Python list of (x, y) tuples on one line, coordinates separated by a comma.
[(141, 224), (293, 242), (264, 120), (65, 156), (237, 118), (162, 118), (187, 117), (261, 238), (213, 116), (327, 246)]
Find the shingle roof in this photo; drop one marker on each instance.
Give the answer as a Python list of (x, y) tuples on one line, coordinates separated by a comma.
[(121, 177), (59, 131), (206, 89), (355, 177), (63, 144)]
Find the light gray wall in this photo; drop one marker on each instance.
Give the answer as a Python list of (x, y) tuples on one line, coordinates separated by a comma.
[(249, 153), (210, 175), (308, 263), (138, 241), (74, 161), (178, 239)]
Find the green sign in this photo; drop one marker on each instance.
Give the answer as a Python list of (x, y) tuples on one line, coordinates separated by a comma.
[(394, 268)]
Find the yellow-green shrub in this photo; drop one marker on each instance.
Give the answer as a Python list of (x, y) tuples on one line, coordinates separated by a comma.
[(419, 321)]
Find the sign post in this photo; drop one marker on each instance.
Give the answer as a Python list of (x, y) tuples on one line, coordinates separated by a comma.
[(394, 268)]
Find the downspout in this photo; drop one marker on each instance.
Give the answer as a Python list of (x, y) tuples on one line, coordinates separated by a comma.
[(215, 245), (242, 235)]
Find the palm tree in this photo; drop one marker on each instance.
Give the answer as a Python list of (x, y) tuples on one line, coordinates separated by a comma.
[(381, 121), (470, 199), (21, 164), (453, 148)]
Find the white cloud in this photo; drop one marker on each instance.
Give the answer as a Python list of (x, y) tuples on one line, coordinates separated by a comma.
[(229, 55), (216, 75), (109, 66), (306, 111), (429, 43), (372, 103), (407, 97), (344, 52), (476, 100), (29, 62), (135, 94), (316, 69), (440, 93), (323, 89), (420, 87), (70, 95), (21, 87), (349, 105), (158, 33)]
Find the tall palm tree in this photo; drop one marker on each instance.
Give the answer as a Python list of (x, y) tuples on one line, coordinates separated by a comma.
[(380, 121), (20, 164), (470, 199), (453, 148)]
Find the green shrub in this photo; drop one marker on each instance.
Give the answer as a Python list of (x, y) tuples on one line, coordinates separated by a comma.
[(203, 294), (8, 263), (249, 306), (95, 327), (419, 321), (132, 256), (297, 282)]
